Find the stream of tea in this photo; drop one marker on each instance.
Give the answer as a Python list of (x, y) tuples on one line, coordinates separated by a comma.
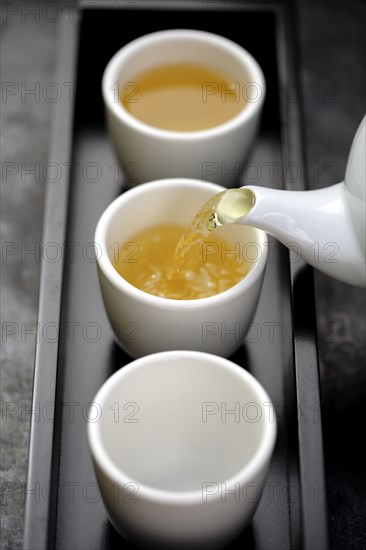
[(170, 262)]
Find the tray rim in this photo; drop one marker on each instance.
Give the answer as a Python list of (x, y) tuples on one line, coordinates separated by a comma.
[(305, 344), (41, 454), (40, 520)]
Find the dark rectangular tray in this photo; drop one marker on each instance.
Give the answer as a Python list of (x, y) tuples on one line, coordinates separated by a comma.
[(76, 351)]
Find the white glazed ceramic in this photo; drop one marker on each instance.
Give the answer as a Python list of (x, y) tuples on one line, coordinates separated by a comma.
[(326, 227), (151, 153), (176, 468), (144, 323)]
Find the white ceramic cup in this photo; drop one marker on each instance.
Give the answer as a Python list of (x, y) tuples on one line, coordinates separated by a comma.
[(144, 323), (181, 444), (215, 154)]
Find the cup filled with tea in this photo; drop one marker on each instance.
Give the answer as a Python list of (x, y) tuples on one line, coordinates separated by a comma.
[(183, 103), (168, 279), (175, 467)]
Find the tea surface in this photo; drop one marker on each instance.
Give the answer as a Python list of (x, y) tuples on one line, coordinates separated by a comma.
[(200, 267), (183, 97)]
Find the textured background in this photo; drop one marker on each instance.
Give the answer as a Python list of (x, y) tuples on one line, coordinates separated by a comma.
[(332, 68)]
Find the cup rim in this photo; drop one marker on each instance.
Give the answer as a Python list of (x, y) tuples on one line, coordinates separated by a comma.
[(114, 278), (140, 43), (262, 454)]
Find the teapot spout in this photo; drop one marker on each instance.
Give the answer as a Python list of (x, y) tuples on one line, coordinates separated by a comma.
[(317, 225)]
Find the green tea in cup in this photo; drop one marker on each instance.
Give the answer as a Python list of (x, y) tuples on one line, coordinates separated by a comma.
[(183, 97)]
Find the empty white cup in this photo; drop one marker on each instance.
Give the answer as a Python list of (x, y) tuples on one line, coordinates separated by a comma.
[(215, 154), (144, 323), (181, 444)]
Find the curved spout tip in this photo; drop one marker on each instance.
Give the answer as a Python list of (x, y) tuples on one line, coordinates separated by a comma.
[(235, 204)]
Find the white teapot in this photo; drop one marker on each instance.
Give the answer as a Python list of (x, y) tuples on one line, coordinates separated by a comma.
[(326, 227)]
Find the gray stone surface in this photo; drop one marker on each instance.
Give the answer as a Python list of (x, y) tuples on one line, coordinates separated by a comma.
[(27, 60), (332, 51)]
